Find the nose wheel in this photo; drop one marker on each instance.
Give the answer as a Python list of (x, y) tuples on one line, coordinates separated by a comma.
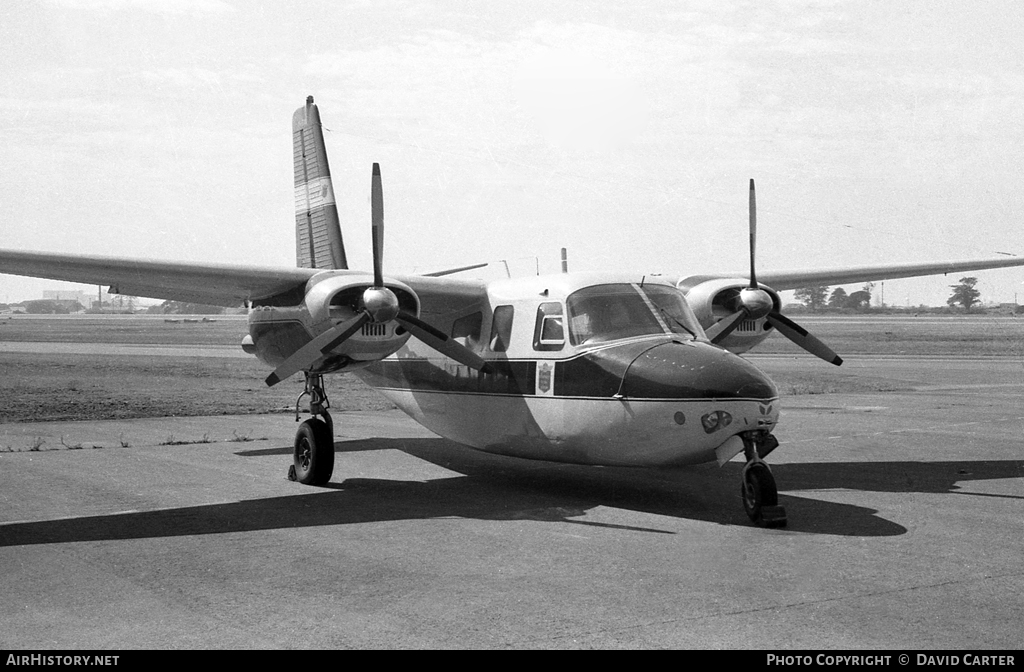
[(760, 495), (314, 453), (314, 442)]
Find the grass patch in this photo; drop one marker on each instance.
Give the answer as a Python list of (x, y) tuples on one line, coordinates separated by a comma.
[(45, 387), (33, 388)]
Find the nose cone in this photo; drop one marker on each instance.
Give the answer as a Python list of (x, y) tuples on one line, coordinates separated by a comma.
[(695, 371)]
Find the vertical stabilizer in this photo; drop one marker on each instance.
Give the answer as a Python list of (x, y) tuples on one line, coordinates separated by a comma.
[(317, 232)]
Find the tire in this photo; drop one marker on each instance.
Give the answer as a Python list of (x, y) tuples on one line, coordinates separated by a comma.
[(314, 453), (758, 490)]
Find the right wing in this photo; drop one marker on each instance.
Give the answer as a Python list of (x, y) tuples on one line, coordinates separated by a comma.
[(213, 284), (219, 284)]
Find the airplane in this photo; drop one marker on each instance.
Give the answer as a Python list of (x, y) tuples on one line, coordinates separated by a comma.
[(608, 368)]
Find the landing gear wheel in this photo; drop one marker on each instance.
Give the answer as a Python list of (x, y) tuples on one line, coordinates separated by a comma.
[(314, 453), (761, 498)]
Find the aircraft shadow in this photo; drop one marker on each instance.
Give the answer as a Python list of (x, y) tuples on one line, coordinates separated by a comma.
[(501, 488)]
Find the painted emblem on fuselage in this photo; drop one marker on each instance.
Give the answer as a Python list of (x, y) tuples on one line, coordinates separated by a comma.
[(544, 371)]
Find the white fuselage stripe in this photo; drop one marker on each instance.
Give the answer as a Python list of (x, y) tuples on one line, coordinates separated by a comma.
[(674, 400)]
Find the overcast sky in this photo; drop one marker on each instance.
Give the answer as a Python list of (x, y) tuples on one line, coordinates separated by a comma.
[(877, 132)]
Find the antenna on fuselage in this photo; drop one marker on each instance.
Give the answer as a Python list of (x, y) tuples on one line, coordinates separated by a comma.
[(565, 262)]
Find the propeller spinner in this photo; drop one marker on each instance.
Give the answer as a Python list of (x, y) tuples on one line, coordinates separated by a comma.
[(379, 305), (754, 303)]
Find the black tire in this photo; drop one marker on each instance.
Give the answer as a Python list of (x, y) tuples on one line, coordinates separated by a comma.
[(314, 453), (758, 490)]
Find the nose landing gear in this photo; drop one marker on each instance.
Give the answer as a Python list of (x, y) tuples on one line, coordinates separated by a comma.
[(314, 442), (760, 495)]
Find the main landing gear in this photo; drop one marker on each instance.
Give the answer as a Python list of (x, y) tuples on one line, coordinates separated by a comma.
[(314, 442), (760, 496)]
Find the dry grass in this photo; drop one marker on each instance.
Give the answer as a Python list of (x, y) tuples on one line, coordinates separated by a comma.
[(91, 387), (84, 387), (954, 336)]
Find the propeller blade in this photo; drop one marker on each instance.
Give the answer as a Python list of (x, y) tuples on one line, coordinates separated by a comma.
[(441, 342), (753, 234), (725, 326), (305, 356), (799, 335), (377, 219)]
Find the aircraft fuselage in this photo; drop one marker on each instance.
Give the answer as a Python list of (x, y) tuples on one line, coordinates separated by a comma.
[(546, 410), (603, 370)]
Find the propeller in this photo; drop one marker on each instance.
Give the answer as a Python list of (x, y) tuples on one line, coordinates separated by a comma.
[(379, 304), (317, 348), (755, 303), (799, 335)]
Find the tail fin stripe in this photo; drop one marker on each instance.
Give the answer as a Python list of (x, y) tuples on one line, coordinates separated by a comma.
[(318, 242)]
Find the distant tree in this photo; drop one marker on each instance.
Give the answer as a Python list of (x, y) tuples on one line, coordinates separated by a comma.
[(859, 300), (964, 294), (124, 303), (838, 298), (50, 307), (812, 297), (185, 308)]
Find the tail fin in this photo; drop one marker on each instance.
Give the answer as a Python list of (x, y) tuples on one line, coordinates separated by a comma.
[(317, 233)]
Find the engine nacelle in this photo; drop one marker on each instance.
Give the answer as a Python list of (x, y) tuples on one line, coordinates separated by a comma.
[(713, 299), (331, 299)]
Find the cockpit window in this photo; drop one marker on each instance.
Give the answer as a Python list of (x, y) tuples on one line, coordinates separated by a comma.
[(610, 312), (675, 311)]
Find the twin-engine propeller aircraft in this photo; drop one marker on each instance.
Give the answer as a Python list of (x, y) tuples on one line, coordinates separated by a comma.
[(589, 368)]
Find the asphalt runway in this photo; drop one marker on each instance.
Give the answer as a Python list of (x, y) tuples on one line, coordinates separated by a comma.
[(122, 349), (905, 532)]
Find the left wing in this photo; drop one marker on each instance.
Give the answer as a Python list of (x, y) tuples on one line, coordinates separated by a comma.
[(213, 284), (843, 276), (786, 280)]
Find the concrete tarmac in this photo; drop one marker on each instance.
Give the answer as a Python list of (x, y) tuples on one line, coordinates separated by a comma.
[(905, 532)]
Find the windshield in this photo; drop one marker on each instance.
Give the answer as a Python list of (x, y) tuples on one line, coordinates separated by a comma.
[(610, 312)]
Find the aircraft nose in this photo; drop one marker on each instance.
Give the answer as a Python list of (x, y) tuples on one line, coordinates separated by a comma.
[(694, 371)]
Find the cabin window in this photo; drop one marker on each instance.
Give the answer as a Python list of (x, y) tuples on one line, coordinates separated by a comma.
[(466, 330), (501, 328), (549, 333)]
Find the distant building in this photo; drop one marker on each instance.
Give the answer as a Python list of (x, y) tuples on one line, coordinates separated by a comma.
[(86, 299), (65, 295)]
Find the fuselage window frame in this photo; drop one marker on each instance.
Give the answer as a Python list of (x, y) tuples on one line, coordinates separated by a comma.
[(501, 328), (549, 331), (466, 329)]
